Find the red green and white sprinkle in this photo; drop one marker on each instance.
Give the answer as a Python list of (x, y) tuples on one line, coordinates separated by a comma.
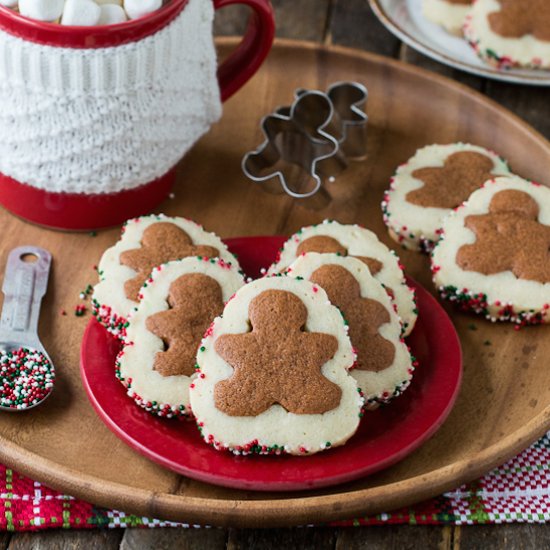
[(253, 447), (80, 310), (26, 378), (164, 410), (86, 292), (114, 323), (478, 302)]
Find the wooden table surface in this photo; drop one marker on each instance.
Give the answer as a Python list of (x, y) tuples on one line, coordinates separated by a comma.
[(348, 23)]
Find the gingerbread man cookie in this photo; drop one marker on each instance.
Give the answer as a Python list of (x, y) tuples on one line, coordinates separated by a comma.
[(383, 368), (273, 372), (268, 373), (426, 188), (195, 300), (160, 243), (494, 255), (449, 14), (146, 242), (181, 300), (352, 240), (510, 33)]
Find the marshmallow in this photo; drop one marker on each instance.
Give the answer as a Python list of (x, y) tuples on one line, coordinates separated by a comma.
[(84, 12), (111, 14), (81, 12), (42, 10), (139, 8)]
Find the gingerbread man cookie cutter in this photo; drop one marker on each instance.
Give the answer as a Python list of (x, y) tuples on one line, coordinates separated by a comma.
[(349, 122), (295, 136), (317, 134)]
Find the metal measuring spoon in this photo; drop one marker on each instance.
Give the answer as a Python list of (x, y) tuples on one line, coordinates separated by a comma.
[(26, 371)]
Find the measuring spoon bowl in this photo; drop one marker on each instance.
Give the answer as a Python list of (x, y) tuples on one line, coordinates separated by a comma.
[(25, 284)]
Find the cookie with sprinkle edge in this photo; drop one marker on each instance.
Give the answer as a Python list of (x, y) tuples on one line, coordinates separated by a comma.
[(384, 366), (492, 258), (354, 240), (273, 373), (510, 33), (182, 298)]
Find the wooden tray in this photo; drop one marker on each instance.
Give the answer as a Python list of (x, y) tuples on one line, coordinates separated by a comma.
[(505, 400)]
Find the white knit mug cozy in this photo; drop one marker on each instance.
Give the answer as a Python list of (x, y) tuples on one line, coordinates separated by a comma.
[(95, 119)]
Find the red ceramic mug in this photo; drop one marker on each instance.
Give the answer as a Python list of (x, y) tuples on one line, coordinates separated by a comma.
[(95, 119)]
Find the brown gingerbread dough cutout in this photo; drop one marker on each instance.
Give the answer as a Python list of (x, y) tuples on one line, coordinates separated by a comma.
[(518, 18), (450, 185), (364, 317), (161, 242), (195, 300), (328, 245), (277, 362), (463, 2), (508, 238)]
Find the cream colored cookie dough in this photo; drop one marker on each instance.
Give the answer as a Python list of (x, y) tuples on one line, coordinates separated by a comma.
[(275, 430), (378, 386), (449, 15), (164, 395), (359, 241), (413, 226), (500, 296), (110, 302), (503, 51)]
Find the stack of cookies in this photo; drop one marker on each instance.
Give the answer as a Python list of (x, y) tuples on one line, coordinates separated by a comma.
[(504, 33), (146, 242), (161, 286), (487, 230), (284, 364)]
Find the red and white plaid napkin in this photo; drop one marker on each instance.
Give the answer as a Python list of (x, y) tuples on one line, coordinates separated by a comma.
[(518, 491)]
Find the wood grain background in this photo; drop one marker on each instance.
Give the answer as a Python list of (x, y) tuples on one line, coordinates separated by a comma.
[(350, 23)]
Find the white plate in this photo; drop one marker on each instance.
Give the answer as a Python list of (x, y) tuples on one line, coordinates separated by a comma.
[(404, 19)]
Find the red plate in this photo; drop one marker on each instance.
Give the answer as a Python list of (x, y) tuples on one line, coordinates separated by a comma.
[(385, 436)]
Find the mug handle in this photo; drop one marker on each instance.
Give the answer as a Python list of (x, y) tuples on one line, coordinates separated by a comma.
[(235, 71)]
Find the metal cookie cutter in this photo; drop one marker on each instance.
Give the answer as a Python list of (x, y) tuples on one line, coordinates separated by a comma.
[(349, 122), (294, 136), (317, 133)]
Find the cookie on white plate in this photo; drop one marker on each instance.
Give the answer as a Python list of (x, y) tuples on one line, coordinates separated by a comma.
[(425, 189), (449, 14), (510, 33), (274, 374), (493, 257), (146, 242), (179, 303), (384, 367), (352, 240)]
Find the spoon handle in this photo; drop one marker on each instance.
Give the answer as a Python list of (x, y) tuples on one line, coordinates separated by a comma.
[(25, 283)]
